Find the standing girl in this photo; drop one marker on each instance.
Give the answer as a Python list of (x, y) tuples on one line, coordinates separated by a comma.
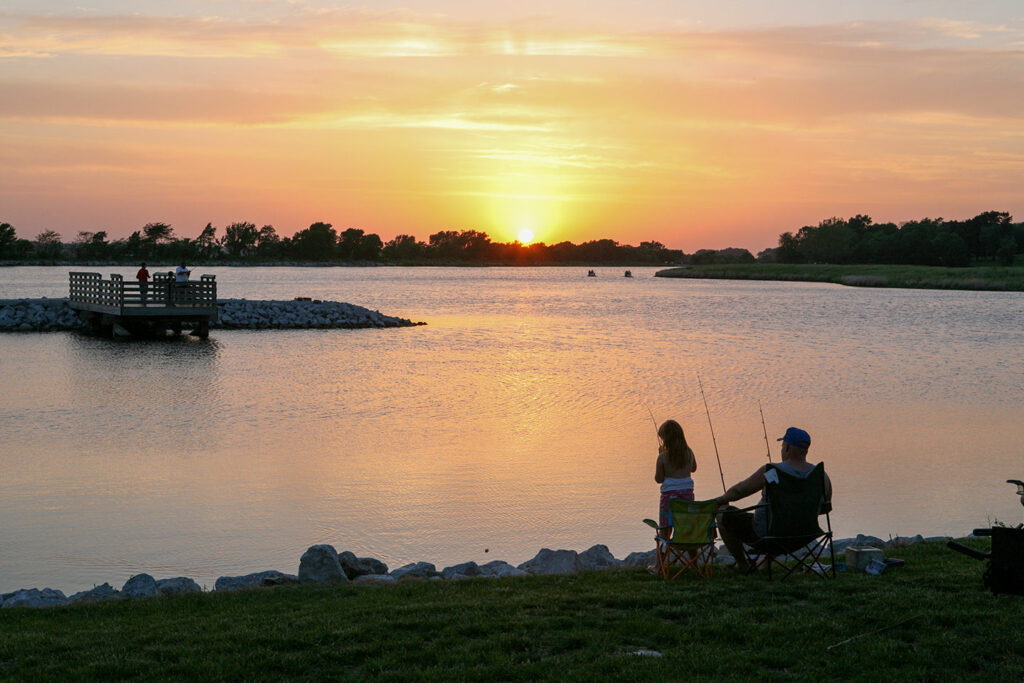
[(676, 463)]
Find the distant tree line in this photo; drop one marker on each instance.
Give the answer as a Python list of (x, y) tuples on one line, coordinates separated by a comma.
[(321, 243), (989, 237)]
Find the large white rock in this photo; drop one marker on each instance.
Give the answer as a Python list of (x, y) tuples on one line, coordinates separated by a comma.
[(500, 569), (641, 559), (598, 557), (320, 564), (422, 570), (254, 580), (179, 585), (375, 578), (861, 541), (464, 570), (549, 561), (97, 594), (904, 541), (140, 586), (33, 597), (360, 566)]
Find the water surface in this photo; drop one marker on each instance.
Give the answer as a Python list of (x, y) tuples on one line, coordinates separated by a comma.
[(514, 420)]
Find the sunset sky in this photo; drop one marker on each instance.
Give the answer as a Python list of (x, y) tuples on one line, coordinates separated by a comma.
[(696, 124)]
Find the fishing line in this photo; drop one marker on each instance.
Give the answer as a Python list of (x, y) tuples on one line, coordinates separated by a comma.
[(651, 413), (720, 473)]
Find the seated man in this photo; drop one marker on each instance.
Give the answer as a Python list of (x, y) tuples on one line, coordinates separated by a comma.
[(737, 527)]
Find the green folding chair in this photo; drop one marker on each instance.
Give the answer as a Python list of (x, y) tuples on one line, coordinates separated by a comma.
[(692, 543)]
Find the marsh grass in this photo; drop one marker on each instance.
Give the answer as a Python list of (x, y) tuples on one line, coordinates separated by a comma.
[(986, 278), (585, 626)]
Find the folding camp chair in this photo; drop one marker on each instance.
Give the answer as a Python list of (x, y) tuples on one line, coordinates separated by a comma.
[(795, 539), (692, 544)]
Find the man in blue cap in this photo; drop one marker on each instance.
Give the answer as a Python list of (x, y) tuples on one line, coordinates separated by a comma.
[(737, 527)]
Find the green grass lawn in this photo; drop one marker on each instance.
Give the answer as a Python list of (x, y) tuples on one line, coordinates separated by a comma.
[(1007, 278), (938, 624)]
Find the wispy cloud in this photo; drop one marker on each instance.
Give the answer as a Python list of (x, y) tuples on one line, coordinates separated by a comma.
[(391, 104)]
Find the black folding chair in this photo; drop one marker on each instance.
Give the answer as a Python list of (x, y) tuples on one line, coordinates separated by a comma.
[(795, 539)]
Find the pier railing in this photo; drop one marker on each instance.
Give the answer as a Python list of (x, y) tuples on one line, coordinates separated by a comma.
[(91, 290)]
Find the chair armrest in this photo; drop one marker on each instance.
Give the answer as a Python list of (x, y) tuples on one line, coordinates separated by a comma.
[(654, 525)]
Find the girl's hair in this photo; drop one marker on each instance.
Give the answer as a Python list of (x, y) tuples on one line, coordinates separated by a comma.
[(679, 454)]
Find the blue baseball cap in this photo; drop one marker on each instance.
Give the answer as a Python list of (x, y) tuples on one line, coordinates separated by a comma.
[(796, 437)]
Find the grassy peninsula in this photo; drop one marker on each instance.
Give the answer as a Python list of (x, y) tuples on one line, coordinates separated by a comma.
[(989, 278), (928, 620)]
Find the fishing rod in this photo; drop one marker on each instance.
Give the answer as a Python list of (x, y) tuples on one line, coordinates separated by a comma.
[(767, 448), (720, 473), (655, 422), (651, 413)]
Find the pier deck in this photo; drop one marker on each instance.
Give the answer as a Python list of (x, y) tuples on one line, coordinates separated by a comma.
[(139, 308)]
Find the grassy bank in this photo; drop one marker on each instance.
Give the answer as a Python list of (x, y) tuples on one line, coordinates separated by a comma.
[(933, 621), (997, 278)]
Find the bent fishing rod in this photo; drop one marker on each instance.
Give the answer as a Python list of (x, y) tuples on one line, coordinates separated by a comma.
[(767, 448), (720, 473), (651, 413)]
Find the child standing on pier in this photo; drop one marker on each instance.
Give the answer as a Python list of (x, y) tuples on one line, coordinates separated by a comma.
[(143, 277), (676, 463)]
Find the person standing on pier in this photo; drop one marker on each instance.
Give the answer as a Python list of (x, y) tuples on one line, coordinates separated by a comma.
[(143, 277), (180, 286)]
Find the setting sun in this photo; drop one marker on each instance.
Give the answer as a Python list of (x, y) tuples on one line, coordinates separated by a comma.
[(525, 236)]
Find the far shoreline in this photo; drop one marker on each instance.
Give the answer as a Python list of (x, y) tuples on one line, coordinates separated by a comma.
[(988, 278), (971, 278), (333, 264)]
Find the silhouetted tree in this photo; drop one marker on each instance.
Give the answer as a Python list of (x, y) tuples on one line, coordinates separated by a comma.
[(769, 255), (949, 249), (349, 242), (789, 249), (133, 246), (48, 245), (7, 240), (316, 243), (92, 245), (370, 247), (994, 227), (240, 238), (206, 243), (446, 243), (1007, 251), (268, 243), (156, 233), (403, 248)]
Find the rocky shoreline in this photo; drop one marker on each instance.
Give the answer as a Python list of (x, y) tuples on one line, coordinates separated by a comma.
[(54, 315), (323, 564)]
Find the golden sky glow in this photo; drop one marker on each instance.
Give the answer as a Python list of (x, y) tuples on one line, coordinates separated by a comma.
[(696, 132)]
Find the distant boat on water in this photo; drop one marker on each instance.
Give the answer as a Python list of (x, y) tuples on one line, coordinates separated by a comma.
[(591, 273), (628, 273)]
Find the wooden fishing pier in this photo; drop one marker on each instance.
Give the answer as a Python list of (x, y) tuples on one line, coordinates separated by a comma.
[(128, 308)]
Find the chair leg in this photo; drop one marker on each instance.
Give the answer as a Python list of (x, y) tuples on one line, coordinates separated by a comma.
[(662, 554), (676, 561)]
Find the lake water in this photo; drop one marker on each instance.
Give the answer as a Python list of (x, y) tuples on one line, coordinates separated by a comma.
[(515, 419)]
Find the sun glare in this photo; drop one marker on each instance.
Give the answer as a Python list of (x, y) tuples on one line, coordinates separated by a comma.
[(525, 236)]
